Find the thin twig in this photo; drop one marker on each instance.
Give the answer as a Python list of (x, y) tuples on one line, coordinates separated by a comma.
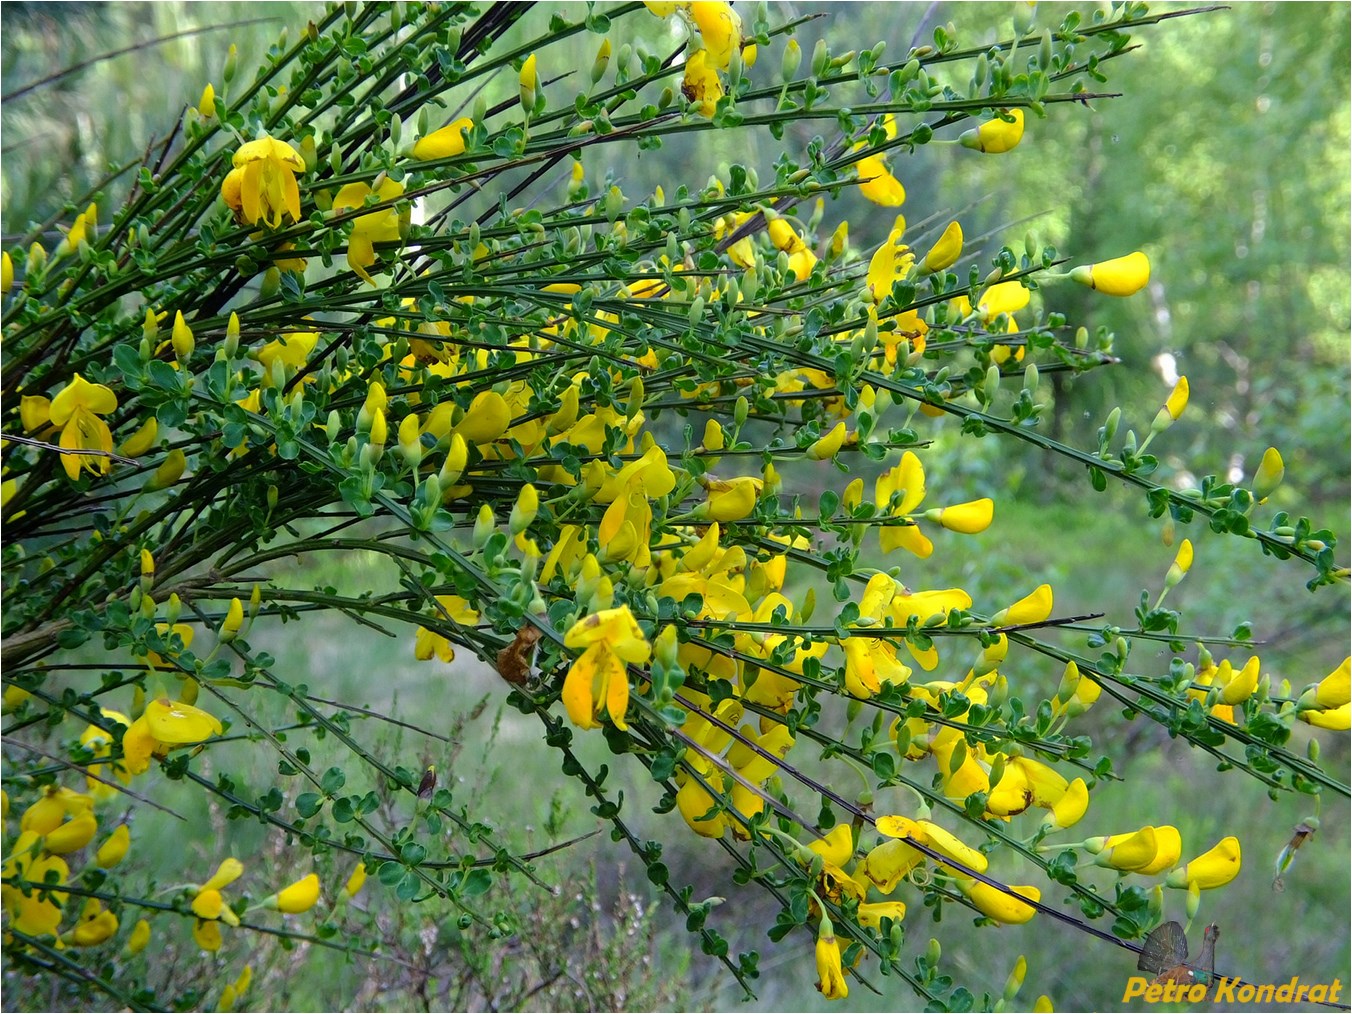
[(10, 741), (75, 68), (84, 452)]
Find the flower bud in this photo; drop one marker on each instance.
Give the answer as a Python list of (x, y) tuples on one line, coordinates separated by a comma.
[(296, 898), (828, 445), (1173, 407), (1122, 276), (232, 336), (524, 511), (946, 251), (182, 340), (271, 283), (995, 136), (147, 570), (1269, 474), (601, 62), (114, 847), (528, 85), (968, 518), (169, 472), (410, 444), (484, 526), (234, 619), (1182, 563), (789, 62)]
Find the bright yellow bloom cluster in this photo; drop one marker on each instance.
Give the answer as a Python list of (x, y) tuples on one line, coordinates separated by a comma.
[(262, 185)]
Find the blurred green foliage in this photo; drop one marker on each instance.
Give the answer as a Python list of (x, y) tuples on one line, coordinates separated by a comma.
[(1227, 161)]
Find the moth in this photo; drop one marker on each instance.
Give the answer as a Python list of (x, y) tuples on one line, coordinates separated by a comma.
[(1165, 953)]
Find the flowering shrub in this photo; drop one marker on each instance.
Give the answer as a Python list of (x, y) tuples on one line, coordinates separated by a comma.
[(349, 306)]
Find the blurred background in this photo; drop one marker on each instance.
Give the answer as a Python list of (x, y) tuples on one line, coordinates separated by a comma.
[(1227, 161)]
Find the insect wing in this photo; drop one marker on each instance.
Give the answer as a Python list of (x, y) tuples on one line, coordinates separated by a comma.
[(1166, 947)]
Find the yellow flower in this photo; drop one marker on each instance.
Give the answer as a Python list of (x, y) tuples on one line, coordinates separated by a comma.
[(76, 409), (262, 185), (1034, 607), (292, 350), (826, 446), (486, 419), (73, 835), (877, 184), (1172, 408), (298, 897), (887, 862), (528, 81), (6, 273), (35, 412), (891, 262), (1335, 689), (140, 441), (447, 142), (785, 237), (1214, 868), (99, 741), (183, 341), (1269, 475), (597, 680), (906, 481), (356, 881), (693, 801), (701, 83), (937, 838), (1121, 276), (52, 807), (1003, 908), (873, 914), (945, 252), (382, 226), (38, 912), (114, 847), (1132, 852), (720, 29), (1237, 686), (995, 136), (207, 933), (208, 904), (164, 724), (234, 990), (869, 661), (732, 499), (428, 643), (1168, 847), (1338, 719), (969, 518), (96, 925), (1005, 297), (837, 847), (81, 231), (1068, 810), (174, 723), (139, 937), (234, 620), (830, 976)]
